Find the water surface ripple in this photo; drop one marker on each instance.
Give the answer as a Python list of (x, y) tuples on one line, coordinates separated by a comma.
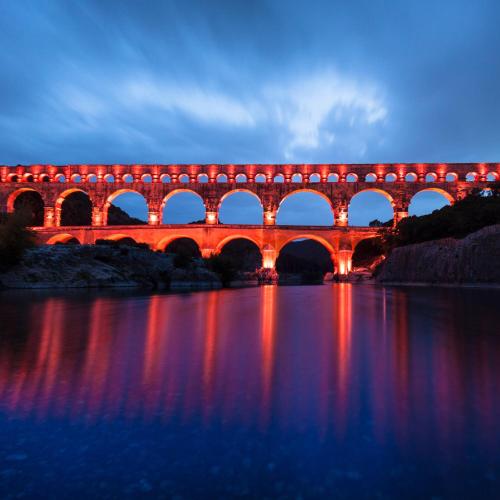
[(291, 392)]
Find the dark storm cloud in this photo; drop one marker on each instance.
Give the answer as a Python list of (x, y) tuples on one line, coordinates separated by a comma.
[(248, 81)]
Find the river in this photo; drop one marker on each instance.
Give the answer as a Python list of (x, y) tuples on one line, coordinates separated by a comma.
[(294, 392)]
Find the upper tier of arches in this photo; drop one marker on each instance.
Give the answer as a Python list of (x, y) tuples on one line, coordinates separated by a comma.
[(298, 173)]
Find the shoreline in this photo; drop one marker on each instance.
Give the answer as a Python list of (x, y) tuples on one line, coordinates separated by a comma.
[(183, 287)]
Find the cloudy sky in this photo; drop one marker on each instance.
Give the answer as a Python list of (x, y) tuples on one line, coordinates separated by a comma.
[(249, 81)]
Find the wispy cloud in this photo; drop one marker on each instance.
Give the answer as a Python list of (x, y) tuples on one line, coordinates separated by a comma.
[(304, 113)]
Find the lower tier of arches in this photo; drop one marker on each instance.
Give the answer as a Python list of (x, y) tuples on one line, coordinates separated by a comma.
[(212, 240)]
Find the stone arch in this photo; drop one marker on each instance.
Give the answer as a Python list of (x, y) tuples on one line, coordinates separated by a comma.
[(60, 208), (305, 190), (245, 253), (221, 178), (333, 177), (241, 178), (202, 178), (63, 238), (379, 209), (307, 236), (279, 178), (313, 260), (492, 176), (367, 250), (119, 236), (297, 177), (351, 177), (115, 194), (31, 202), (371, 177), (220, 245), (413, 207), (431, 177), (15, 194), (195, 212), (391, 177), (411, 177), (443, 192), (314, 178), (259, 218), (167, 240), (183, 178), (451, 177), (260, 177)]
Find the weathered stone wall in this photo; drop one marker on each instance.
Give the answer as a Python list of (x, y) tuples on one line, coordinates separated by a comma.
[(474, 259)]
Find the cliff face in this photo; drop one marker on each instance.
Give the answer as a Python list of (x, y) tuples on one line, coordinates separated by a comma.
[(474, 259)]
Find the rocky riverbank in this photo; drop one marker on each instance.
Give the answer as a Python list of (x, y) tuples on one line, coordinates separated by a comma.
[(89, 266), (474, 259)]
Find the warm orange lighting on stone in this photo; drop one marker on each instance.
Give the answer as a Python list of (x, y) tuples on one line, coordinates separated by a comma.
[(211, 217), (268, 257), (345, 262)]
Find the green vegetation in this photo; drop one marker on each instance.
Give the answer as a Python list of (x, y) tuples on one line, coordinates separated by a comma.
[(466, 216), (15, 238), (477, 210)]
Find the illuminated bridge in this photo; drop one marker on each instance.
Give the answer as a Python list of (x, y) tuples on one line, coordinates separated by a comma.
[(50, 186)]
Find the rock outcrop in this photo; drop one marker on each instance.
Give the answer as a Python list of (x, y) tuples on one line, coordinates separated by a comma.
[(473, 259), (65, 266)]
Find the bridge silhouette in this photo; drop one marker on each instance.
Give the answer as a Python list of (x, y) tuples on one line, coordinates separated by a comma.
[(338, 184)]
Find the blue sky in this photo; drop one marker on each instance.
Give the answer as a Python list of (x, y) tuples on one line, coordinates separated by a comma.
[(249, 81)]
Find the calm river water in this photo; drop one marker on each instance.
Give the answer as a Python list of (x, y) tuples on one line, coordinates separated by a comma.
[(293, 392)]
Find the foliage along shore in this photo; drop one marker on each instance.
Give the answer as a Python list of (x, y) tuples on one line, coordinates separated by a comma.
[(458, 244)]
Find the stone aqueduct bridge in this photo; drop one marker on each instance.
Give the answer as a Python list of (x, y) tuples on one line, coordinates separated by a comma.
[(336, 183)]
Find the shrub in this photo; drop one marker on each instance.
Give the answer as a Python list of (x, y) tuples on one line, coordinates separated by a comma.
[(15, 238)]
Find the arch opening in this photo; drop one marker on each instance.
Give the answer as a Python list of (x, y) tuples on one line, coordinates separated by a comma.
[(29, 204), (240, 254), (63, 239), (184, 247), (76, 208), (314, 178), (126, 207), (427, 200), (241, 207), (304, 260), (260, 178), (183, 206), (368, 253), (305, 208), (371, 207)]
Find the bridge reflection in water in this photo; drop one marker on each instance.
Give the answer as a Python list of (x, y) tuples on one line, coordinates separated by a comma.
[(361, 376)]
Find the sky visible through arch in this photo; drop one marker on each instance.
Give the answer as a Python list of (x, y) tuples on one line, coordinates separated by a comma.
[(250, 82)]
